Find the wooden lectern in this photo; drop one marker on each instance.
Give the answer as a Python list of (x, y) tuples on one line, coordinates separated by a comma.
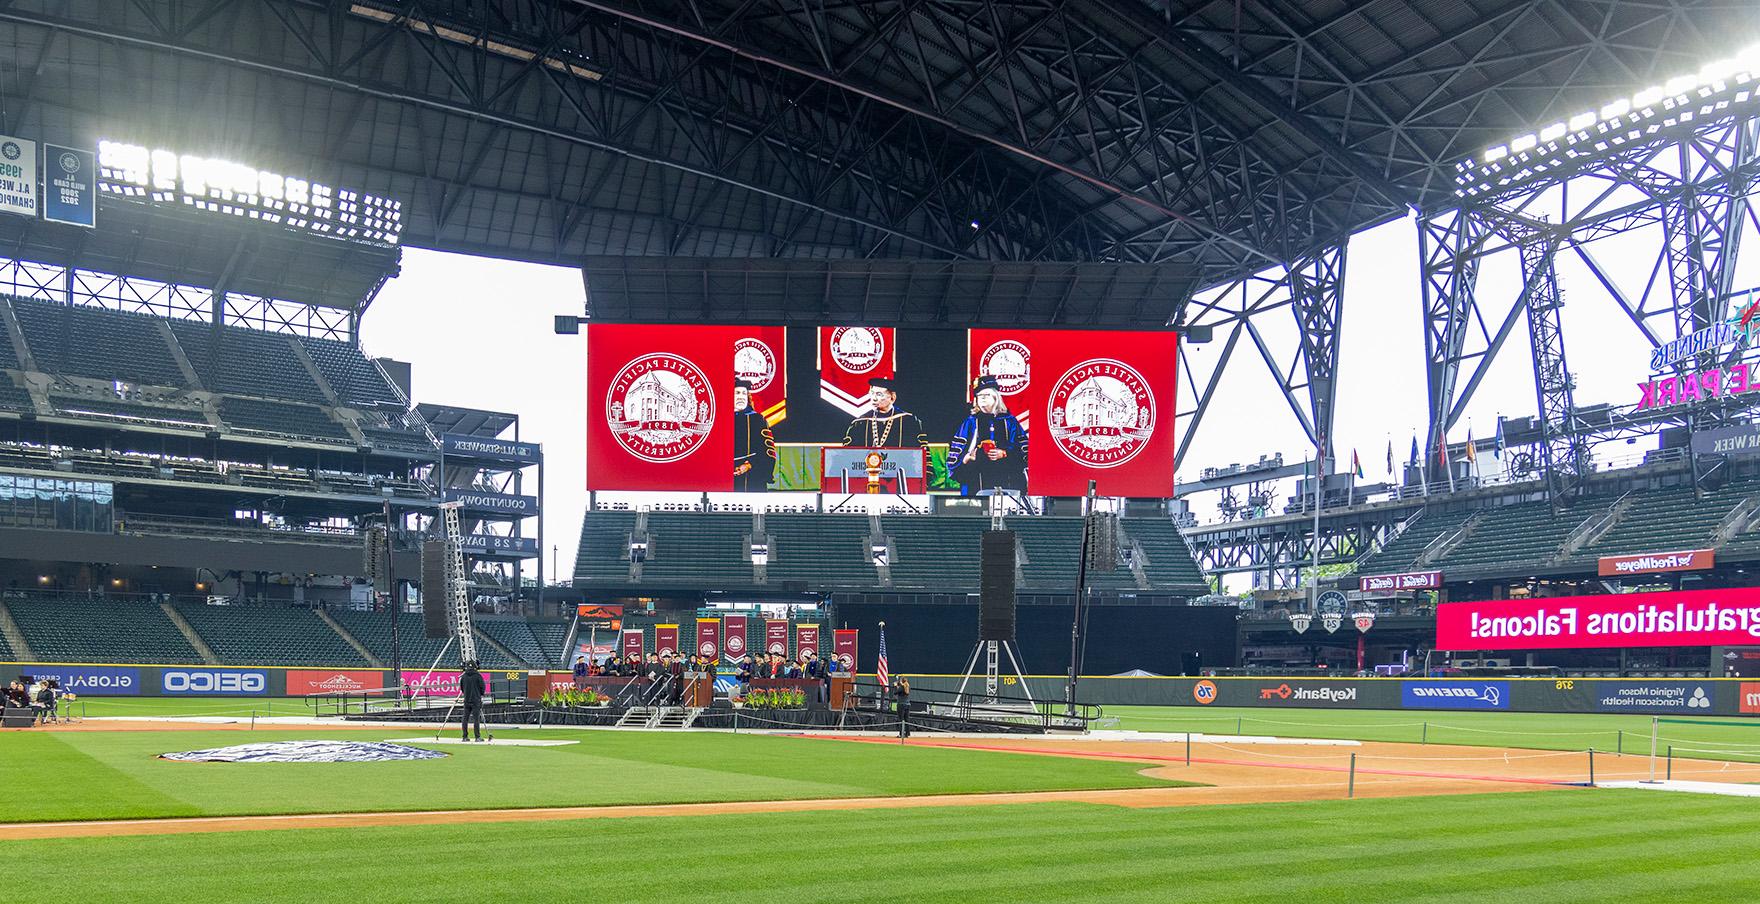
[(843, 689), (699, 689)]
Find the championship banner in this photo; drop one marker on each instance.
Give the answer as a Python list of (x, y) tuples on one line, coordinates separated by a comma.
[(665, 640), (660, 407), (760, 357), (709, 638), (806, 637), (1680, 618), (70, 186), (1101, 405), (736, 636), (776, 636), (843, 646), (850, 356), (18, 176), (632, 642)]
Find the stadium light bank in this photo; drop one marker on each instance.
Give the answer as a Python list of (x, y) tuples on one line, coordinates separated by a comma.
[(241, 190), (1718, 89)]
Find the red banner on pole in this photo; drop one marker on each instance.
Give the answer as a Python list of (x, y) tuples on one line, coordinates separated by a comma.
[(843, 646), (806, 637), (1679, 618), (632, 642), (665, 640), (709, 638), (850, 356), (776, 636), (736, 636), (760, 357)]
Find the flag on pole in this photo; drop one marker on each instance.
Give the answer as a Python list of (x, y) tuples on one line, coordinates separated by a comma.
[(1442, 447), (1390, 456), (1356, 464), (1472, 454), (1497, 450), (880, 664)]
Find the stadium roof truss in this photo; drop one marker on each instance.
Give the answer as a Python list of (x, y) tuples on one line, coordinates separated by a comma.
[(1238, 143)]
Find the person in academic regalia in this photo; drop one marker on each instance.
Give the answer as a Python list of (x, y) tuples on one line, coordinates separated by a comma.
[(754, 446), (887, 426), (989, 449)]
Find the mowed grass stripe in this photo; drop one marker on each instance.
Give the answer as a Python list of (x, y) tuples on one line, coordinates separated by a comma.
[(118, 775), (1737, 738), (1555, 847)]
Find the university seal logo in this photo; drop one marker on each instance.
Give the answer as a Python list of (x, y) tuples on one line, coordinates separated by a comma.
[(736, 644), (1010, 363), (706, 648), (660, 407), (754, 362), (1101, 412), (857, 349)]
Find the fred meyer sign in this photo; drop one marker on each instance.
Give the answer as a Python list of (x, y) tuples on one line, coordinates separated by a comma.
[(1413, 580), (1680, 618), (1650, 563)]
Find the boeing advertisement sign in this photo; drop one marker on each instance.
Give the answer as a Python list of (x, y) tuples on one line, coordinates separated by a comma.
[(506, 450), (1455, 695)]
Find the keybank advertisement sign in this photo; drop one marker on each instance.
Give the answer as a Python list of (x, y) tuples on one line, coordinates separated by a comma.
[(1645, 697), (104, 680), (1455, 695), (214, 682)]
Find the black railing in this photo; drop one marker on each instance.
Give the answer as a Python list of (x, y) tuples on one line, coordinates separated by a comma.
[(979, 706)]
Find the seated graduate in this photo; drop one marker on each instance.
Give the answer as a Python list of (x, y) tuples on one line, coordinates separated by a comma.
[(745, 669)]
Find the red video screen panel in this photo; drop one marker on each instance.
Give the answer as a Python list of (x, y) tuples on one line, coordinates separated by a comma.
[(753, 408)]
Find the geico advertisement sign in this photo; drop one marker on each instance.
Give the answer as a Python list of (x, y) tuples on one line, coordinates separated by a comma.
[(1326, 695), (90, 679), (214, 682)]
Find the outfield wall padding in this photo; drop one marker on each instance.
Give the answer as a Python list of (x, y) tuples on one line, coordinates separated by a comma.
[(1648, 696)]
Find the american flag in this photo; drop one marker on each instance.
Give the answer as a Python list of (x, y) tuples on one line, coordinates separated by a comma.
[(880, 665)]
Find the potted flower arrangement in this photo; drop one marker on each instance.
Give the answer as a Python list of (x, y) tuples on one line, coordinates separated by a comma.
[(775, 698), (569, 698)]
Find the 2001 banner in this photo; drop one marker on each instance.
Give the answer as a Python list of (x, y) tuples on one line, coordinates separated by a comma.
[(707, 408)]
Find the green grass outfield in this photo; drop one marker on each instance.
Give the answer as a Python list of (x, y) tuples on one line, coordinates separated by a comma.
[(113, 775), (1632, 847), (1710, 736)]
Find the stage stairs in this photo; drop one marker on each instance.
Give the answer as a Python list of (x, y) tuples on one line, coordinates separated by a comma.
[(660, 717)]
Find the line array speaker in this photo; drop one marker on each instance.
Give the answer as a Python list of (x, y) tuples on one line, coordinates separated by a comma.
[(996, 586), (434, 589)]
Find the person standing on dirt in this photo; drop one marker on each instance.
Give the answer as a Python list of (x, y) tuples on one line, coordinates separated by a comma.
[(471, 686)]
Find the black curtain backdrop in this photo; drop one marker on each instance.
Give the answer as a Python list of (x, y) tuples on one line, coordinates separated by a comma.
[(938, 639)]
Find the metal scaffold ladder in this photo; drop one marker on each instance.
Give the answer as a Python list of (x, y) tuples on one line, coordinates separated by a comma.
[(458, 589)]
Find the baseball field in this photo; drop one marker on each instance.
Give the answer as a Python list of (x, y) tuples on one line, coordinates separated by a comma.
[(1477, 806)]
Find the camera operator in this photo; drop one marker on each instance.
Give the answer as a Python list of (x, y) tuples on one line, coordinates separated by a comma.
[(472, 687)]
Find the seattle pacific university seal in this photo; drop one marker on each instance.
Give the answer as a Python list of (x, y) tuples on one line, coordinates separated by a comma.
[(857, 349), (754, 362), (660, 407), (1010, 363), (1101, 412)]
